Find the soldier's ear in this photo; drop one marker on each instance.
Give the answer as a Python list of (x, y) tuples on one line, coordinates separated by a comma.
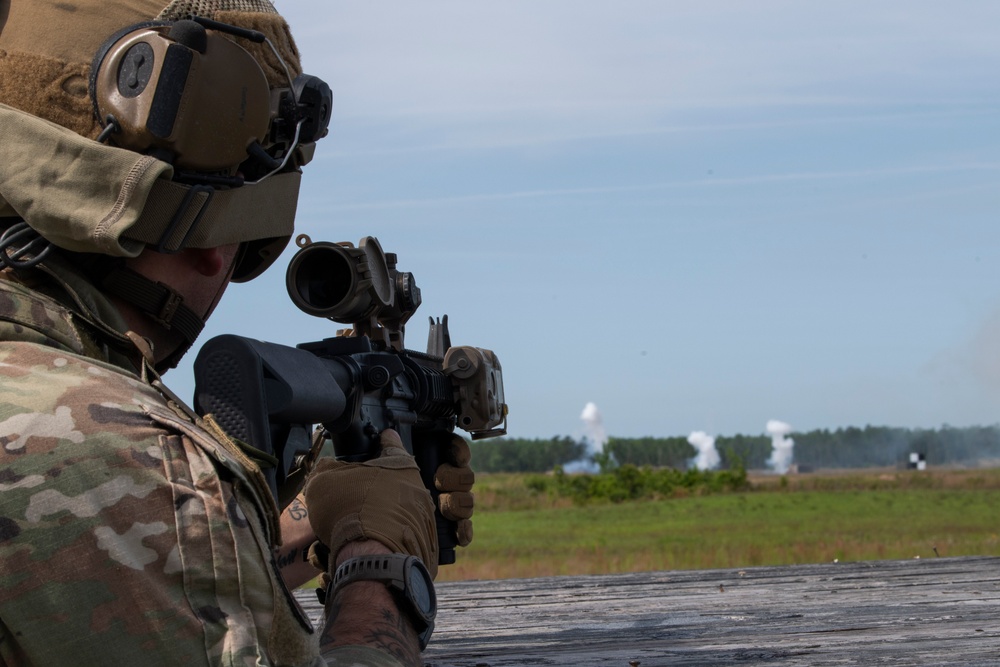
[(210, 262)]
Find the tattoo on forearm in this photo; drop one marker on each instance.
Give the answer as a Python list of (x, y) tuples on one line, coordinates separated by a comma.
[(395, 636), (297, 510), (389, 632), (286, 559)]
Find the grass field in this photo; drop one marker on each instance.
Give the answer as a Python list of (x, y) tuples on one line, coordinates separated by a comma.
[(780, 520)]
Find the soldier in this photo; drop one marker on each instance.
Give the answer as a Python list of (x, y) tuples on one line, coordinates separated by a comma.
[(147, 161)]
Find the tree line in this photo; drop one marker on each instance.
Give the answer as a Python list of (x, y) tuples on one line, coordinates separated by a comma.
[(850, 447)]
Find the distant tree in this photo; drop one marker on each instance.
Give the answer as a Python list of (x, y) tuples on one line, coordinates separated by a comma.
[(749, 451), (525, 455), (850, 447), (672, 452)]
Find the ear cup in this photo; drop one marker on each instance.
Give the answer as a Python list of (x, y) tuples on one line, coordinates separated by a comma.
[(183, 93)]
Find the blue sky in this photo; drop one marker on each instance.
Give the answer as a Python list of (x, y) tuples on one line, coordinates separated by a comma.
[(697, 215)]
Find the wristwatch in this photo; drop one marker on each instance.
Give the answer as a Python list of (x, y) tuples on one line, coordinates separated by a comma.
[(407, 579)]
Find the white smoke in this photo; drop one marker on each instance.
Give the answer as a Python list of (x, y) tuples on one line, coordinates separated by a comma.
[(781, 446), (595, 438), (594, 427), (707, 457)]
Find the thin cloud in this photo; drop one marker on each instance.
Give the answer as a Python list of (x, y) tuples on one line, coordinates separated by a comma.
[(650, 187), (444, 58), (530, 135)]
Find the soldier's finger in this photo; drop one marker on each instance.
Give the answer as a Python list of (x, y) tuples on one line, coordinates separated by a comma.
[(456, 506), (449, 478), (392, 444), (458, 451), (463, 533), (318, 555)]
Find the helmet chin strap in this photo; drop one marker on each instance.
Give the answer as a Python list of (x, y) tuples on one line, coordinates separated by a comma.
[(159, 302)]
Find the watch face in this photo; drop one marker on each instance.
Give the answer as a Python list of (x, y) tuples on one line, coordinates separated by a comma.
[(421, 590)]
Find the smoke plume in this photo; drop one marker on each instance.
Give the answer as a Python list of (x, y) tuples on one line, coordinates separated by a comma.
[(594, 427), (707, 457), (594, 436), (781, 446)]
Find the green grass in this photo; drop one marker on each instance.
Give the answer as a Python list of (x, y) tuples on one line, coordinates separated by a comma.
[(807, 519)]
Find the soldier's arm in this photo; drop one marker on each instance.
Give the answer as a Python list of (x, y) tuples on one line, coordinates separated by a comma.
[(364, 613), (376, 507), (296, 536)]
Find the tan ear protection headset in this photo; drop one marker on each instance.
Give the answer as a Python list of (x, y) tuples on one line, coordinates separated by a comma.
[(184, 93)]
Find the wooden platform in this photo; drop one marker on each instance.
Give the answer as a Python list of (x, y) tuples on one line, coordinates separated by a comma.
[(941, 611)]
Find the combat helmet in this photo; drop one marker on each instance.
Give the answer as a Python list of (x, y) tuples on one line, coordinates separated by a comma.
[(130, 124)]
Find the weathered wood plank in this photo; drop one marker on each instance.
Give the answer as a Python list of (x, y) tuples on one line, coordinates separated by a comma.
[(942, 611)]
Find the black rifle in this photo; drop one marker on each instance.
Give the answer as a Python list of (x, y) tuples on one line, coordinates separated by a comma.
[(354, 386)]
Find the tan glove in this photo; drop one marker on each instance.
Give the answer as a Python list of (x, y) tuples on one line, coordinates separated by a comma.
[(454, 480), (382, 499)]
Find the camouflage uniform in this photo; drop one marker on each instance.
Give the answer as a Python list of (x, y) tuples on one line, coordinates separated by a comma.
[(131, 532), (127, 528)]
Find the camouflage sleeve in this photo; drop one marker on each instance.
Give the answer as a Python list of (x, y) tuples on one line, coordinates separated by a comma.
[(124, 540)]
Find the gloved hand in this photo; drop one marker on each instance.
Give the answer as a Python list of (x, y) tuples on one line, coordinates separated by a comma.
[(454, 480), (381, 499)]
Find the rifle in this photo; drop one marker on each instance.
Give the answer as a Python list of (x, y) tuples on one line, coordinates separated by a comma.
[(284, 403)]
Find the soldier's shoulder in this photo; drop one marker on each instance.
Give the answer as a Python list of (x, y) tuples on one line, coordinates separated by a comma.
[(29, 315), (50, 399), (32, 370)]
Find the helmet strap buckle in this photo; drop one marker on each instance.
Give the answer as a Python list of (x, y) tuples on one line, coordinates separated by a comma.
[(181, 214)]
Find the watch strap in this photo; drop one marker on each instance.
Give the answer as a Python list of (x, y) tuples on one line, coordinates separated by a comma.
[(389, 569)]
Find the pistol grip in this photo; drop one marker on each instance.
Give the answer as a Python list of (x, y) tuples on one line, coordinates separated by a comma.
[(427, 447)]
